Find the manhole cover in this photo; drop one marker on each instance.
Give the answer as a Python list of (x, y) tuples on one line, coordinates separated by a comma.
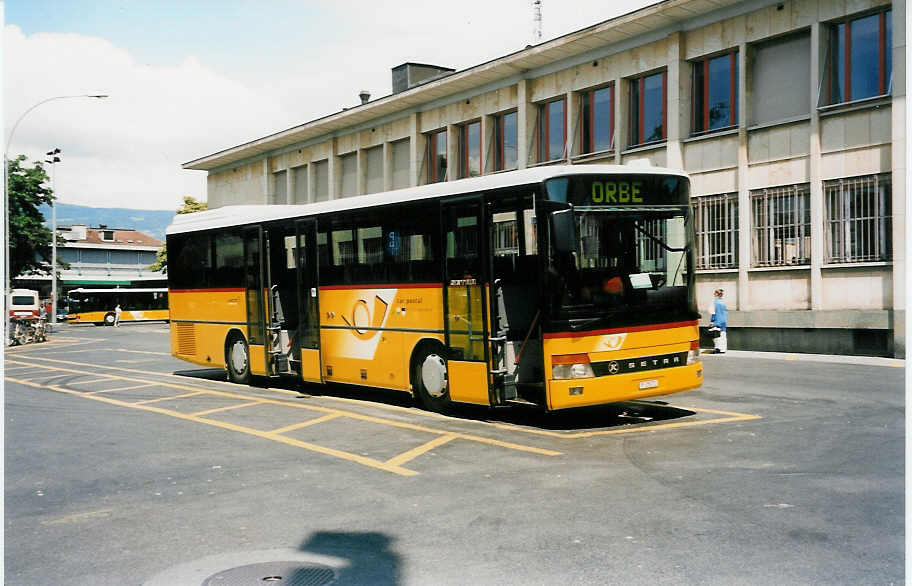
[(274, 574)]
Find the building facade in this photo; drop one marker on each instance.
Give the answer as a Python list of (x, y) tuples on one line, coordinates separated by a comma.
[(789, 117), (100, 258)]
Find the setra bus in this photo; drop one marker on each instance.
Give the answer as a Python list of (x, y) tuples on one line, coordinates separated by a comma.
[(97, 306), (561, 286)]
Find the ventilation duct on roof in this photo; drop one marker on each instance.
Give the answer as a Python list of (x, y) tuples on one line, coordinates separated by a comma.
[(408, 75)]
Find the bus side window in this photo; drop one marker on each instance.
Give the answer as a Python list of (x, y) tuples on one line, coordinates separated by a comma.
[(228, 271)]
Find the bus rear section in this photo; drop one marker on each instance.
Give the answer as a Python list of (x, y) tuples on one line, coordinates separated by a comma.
[(23, 304)]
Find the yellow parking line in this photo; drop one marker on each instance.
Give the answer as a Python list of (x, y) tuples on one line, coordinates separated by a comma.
[(423, 448), (141, 352), (171, 398), (307, 423), (284, 439), (429, 414), (228, 408), (96, 380), (370, 462), (130, 388)]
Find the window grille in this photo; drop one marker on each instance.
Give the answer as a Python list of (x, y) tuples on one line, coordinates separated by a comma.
[(716, 226), (857, 219), (651, 256), (781, 226)]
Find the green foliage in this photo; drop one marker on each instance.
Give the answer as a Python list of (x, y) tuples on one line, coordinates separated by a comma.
[(29, 238), (191, 205)]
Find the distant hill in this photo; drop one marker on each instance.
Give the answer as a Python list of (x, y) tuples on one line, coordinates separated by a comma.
[(151, 222)]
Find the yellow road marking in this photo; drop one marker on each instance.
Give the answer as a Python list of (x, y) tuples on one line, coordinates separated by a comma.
[(306, 423), (730, 416), (277, 437), (86, 382), (228, 408), (74, 518), (370, 462), (130, 388), (415, 452), (171, 398), (141, 352)]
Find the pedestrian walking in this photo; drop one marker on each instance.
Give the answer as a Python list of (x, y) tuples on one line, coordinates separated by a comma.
[(719, 318), (117, 311)]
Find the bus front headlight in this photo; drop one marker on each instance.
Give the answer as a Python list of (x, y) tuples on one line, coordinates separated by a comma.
[(571, 366)]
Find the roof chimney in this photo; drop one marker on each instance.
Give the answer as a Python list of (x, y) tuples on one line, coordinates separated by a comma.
[(365, 96), (408, 75)]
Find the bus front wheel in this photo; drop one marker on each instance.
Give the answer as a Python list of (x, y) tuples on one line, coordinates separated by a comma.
[(237, 358), (109, 319), (429, 378)]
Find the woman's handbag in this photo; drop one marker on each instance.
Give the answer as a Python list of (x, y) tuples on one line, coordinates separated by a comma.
[(714, 331)]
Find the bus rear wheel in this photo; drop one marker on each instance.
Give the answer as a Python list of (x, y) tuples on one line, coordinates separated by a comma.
[(237, 359), (429, 378), (109, 319)]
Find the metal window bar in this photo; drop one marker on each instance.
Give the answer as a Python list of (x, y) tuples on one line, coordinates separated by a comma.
[(716, 227), (857, 219), (781, 226)]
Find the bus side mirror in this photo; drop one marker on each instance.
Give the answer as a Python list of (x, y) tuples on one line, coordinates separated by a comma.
[(563, 229)]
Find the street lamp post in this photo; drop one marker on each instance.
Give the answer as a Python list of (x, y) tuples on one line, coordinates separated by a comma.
[(52, 161), (7, 278)]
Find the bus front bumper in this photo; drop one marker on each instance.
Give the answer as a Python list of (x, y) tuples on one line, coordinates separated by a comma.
[(582, 392)]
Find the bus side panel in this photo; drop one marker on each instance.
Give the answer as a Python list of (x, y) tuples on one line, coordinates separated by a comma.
[(310, 366), (257, 359), (651, 363), (468, 382), (364, 333), (88, 317), (201, 343), (200, 322), (144, 315)]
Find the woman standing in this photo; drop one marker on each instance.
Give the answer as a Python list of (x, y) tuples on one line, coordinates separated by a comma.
[(719, 318)]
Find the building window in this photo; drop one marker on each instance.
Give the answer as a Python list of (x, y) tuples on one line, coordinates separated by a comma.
[(349, 183), (280, 187), (107, 235), (373, 169), (857, 219), (470, 149), (716, 226), (299, 174), (552, 130), (437, 156), (597, 123), (859, 60), (647, 108), (401, 163), (715, 93), (776, 64), (781, 226), (321, 180), (505, 141)]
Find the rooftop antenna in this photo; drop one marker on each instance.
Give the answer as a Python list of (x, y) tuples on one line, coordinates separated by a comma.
[(536, 21)]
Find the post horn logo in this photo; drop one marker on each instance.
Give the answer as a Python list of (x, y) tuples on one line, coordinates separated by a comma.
[(366, 324)]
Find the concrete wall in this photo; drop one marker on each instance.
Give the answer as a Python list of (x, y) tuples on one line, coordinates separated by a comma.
[(827, 143)]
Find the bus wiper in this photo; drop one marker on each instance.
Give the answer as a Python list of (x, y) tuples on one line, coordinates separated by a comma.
[(658, 241), (582, 324)]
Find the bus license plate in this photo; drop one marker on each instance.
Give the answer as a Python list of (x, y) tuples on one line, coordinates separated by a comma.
[(649, 384)]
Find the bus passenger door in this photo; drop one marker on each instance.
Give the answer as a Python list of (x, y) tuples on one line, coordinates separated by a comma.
[(254, 285), (308, 301), (465, 303)]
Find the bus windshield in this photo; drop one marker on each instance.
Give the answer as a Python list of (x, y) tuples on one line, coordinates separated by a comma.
[(625, 268)]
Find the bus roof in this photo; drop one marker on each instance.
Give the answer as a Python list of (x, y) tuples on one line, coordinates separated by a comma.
[(148, 290), (240, 215)]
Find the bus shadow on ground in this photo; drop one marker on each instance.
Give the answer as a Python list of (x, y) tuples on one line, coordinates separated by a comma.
[(576, 419)]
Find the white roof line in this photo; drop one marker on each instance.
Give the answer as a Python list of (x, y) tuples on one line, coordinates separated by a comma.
[(240, 215)]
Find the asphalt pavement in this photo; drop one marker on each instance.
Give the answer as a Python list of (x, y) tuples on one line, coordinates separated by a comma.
[(124, 465)]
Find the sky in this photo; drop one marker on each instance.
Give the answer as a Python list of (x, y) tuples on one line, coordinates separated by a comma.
[(189, 78)]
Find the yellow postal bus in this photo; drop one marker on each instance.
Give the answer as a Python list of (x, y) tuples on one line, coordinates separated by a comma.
[(98, 306), (561, 286)]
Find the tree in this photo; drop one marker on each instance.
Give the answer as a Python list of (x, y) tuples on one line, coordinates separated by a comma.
[(191, 205), (29, 238)]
